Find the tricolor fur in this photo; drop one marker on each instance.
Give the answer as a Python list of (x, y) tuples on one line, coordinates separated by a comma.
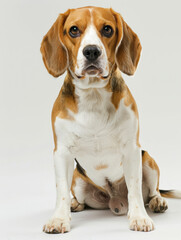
[(95, 120)]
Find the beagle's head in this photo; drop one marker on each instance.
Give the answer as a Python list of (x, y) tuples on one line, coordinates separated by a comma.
[(90, 42)]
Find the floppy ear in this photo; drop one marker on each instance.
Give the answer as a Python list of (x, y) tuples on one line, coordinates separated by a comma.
[(128, 47), (53, 51)]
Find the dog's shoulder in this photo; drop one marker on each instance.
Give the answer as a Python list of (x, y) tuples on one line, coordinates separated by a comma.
[(120, 91)]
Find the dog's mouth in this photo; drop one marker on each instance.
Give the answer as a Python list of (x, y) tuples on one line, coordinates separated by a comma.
[(92, 70)]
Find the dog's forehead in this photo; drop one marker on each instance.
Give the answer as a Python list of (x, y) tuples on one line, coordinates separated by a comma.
[(87, 15), (78, 17), (104, 14)]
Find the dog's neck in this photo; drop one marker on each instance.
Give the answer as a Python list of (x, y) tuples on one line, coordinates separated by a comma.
[(92, 98)]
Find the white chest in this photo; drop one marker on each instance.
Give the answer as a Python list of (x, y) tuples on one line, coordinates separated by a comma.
[(97, 135)]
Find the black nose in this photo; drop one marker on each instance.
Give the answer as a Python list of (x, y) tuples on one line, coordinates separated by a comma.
[(91, 52)]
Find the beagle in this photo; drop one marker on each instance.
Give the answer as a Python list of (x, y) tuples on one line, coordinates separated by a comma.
[(95, 121)]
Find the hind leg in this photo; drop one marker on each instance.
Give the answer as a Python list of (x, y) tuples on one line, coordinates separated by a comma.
[(151, 174), (85, 193)]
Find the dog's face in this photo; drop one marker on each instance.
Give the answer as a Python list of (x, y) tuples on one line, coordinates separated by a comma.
[(90, 42), (90, 38)]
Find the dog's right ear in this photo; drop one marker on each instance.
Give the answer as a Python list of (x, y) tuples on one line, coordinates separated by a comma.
[(54, 52)]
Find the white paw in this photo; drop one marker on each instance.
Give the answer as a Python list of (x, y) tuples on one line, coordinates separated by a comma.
[(57, 225), (141, 224), (158, 204)]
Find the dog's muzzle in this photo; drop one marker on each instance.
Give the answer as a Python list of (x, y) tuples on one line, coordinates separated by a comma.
[(92, 53)]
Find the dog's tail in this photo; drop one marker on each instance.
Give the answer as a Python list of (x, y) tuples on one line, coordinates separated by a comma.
[(171, 194)]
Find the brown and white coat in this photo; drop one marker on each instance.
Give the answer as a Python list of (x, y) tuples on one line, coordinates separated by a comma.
[(95, 120)]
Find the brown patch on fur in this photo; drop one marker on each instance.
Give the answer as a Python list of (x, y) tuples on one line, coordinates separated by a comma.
[(73, 44), (129, 101), (53, 53), (121, 91), (118, 88), (138, 134), (65, 101), (102, 17), (101, 166), (147, 159), (116, 85), (129, 50)]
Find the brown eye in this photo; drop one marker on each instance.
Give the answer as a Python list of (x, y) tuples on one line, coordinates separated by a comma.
[(74, 32), (107, 31)]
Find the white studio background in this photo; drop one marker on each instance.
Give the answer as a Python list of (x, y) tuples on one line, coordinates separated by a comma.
[(27, 93)]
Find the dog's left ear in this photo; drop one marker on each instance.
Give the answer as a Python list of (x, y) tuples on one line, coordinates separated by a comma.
[(128, 48), (53, 50)]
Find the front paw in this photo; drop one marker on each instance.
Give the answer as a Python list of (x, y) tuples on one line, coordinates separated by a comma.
[(144, 224), (57, 225)]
